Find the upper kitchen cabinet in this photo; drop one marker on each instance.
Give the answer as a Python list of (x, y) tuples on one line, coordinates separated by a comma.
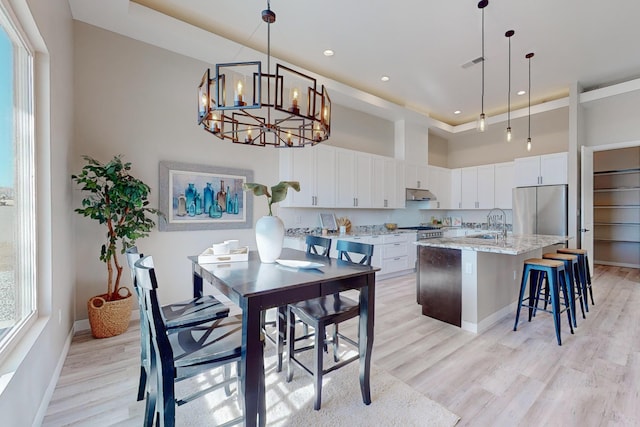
[(384, 188), (477, 190), (504, 183), (440, 186), (354, 179), (315, 169), (456, 189), (416, 176), (548, 169)]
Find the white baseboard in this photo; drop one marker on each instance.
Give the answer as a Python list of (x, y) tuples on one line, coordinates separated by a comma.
[(83, 324), (490, 320), (617, 264), (44, 404)]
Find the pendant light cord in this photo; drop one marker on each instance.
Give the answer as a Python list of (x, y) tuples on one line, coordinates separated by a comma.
[(529, 135), (483, 59), (509, 89), (269, 67)]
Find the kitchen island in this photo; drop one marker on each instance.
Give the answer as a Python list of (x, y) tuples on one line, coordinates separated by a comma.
[(473, 281)]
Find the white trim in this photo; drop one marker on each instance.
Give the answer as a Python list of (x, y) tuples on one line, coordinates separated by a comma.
[(490, 320), (616, 264), (606, 92), (48, 394), (615, 145)]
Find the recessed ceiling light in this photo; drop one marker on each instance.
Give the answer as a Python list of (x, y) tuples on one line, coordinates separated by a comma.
[(457, 112), (384, 78), (328, 52), (522, 92)]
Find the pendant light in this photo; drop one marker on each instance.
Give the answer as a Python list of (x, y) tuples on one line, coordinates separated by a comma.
[(508, 35), (482, 123), (529, 56)]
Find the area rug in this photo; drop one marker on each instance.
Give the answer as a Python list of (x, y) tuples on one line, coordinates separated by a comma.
[(394, 403)]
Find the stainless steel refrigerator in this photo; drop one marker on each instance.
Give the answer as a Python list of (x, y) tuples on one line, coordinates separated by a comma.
[(540, 210)]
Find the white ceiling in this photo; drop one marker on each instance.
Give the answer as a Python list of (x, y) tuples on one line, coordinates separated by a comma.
[(422, 44)]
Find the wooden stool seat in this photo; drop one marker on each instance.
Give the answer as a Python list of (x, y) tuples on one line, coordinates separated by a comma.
[(537, 270), (572, 251)]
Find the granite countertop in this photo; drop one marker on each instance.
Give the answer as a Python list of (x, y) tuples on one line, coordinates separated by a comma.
[(302, 235), (513, 245)]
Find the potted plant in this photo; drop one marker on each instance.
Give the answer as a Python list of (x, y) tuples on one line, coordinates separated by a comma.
[(118, 201), (269, 228)]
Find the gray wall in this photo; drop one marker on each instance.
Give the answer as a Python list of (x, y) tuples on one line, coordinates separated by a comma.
[(37, 356), (549, 134), (612, 120)]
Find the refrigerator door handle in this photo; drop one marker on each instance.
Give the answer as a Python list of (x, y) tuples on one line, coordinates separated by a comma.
[(584, 230)]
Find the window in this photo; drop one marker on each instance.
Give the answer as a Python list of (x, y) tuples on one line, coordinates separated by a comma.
[(17, 182)]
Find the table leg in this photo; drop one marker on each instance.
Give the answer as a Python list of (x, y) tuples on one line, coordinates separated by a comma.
[(197, 283), (367, 303), (252, 382), (281, 331)]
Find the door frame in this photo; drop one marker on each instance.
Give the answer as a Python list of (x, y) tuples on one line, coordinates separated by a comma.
[(586, 200)]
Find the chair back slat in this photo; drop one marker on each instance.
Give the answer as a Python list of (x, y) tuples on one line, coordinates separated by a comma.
[(318, 245), (347, 249), (146, 279)]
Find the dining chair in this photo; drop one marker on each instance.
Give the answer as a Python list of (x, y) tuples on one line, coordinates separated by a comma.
[(185, 352), (185, 313), (316, 245), (319, 313)]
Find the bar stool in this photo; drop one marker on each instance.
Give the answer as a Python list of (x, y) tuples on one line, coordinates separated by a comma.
[(537, 270), (583, 271), (570, 268)]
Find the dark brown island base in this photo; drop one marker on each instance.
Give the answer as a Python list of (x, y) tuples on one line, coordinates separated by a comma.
[(473, 281)]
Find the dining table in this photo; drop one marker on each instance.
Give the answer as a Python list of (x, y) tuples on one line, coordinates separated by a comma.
[(256, 286)]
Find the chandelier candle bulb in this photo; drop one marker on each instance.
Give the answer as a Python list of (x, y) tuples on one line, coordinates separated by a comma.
[(294, 102), (248, 137), (238, 98)]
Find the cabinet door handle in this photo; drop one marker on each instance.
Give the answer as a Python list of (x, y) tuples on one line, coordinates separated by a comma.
[(418, 184)]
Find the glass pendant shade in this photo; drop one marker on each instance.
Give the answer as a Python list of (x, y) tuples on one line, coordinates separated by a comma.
[(482, 123), (508, 35)]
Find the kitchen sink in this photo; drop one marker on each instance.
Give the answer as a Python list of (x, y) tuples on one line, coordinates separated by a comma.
[(483, 236)]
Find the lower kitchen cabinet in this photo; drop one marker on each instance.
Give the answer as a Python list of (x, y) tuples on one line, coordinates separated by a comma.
[(395, 254)]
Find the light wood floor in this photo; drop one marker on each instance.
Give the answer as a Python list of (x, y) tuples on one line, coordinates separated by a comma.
[(497, 378)]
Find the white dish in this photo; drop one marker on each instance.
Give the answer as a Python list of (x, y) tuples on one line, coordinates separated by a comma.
[(293, 263)]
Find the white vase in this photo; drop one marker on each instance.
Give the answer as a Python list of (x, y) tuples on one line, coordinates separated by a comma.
[(269, 238)]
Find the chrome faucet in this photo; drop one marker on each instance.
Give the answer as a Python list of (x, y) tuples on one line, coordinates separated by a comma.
[(495, 217)]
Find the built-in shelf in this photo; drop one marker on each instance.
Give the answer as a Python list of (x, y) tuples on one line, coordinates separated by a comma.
[(616, 203)]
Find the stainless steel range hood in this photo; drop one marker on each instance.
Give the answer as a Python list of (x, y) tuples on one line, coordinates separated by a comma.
[(418, 194)]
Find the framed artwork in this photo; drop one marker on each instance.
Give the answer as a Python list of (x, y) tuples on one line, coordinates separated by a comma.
[(201, 197)]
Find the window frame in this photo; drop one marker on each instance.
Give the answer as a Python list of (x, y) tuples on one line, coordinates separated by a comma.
[(25, 179)]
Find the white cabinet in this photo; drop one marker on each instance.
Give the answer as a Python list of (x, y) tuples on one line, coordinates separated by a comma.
[(353, 172), (384, 190), (400, 196), (477, 190), (440, 185), (456, 189), (391, 187), (393, 253), (548, 169), (504, 183), (314, 167), (416, 176)]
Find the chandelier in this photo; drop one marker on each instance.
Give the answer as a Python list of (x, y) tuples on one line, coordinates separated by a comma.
[(242, 103)]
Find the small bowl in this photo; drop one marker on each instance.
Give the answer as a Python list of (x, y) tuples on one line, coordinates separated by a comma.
[(391, 226)]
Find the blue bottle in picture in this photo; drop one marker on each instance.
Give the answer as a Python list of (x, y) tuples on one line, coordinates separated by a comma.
[(235, 204), (190, 194), (229, 205), (208, 198), (214, 210), (198, 203)]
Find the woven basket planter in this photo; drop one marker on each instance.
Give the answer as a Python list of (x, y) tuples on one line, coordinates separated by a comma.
[(109, 318)]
